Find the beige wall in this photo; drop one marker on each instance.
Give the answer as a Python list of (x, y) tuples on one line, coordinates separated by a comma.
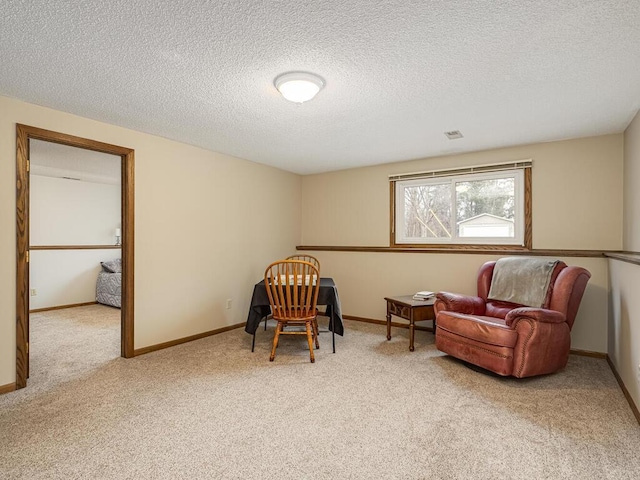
[(71, 212), (201, 234), (364, 279), (577, 195), (188, 204), (577, 204), (624, 325), (632, 186), (624, 311), (65, 277)]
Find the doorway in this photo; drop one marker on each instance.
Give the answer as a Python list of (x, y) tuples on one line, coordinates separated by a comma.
[(24, 134)]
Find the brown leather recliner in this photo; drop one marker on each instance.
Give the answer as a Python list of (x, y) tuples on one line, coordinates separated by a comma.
[(509, 338)]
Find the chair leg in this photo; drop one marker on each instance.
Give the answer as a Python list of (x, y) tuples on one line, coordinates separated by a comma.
[(316, 331), (275, 342), (310, 341)]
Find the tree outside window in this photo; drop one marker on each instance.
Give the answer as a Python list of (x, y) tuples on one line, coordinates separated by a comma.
[(476, 208)]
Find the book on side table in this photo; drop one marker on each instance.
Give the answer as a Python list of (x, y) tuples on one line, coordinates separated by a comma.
[(424, 295)]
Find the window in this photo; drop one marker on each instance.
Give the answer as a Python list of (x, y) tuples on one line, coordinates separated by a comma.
[(478, 205)]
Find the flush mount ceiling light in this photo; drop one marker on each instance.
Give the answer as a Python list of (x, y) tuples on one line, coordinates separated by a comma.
[(298, 87)]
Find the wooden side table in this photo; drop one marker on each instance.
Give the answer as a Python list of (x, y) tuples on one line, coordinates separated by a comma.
[(409, 309)]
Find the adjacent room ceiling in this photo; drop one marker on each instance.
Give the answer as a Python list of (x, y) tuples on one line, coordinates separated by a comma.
[(63, 161), (398, 73)]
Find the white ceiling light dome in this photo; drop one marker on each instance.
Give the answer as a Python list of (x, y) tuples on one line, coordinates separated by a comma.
[(298, 87)]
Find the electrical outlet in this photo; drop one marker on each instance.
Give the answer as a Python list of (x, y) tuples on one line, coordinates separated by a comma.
[(34, 292), (228, 303)]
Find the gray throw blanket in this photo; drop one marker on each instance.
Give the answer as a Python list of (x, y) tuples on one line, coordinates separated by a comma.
[(522, 280)]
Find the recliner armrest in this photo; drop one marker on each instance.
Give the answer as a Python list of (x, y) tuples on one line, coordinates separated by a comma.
[(454, 302), (536, 314)]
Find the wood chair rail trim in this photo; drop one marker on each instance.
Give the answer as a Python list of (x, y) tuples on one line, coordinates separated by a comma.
[(627, 257), (467, 250), (75, 247)]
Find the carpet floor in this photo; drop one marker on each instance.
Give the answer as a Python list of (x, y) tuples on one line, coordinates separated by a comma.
[(212, 409)]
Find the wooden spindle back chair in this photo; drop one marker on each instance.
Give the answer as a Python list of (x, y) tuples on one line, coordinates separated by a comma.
[(292, 287), (306, 258), (310, 259)]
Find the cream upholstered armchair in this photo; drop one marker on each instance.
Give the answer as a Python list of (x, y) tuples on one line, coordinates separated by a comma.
[(519, 323)]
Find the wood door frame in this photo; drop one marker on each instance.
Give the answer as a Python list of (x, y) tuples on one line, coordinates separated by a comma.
[(23, 134)]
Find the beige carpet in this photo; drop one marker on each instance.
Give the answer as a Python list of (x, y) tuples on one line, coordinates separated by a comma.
[(212, 409)]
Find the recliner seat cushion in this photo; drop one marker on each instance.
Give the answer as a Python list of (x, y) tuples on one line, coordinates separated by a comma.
[(492, 357), (489, 330)]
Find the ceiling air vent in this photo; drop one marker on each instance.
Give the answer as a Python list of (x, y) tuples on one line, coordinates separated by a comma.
[(72, 178), (453, 134)]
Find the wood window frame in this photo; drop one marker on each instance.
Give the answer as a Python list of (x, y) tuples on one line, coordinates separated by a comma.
[(528, 227)]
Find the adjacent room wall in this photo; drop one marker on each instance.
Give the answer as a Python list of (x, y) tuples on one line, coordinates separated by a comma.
[(65, 277), (202, 234), (70, 212), (631, 225), (624, 314), (577, 205)]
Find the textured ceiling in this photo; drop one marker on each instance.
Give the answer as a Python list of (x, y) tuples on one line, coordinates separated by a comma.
[(398, 72)]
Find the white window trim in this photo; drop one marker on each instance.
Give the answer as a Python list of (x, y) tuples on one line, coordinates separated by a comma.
[(519, 213)]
